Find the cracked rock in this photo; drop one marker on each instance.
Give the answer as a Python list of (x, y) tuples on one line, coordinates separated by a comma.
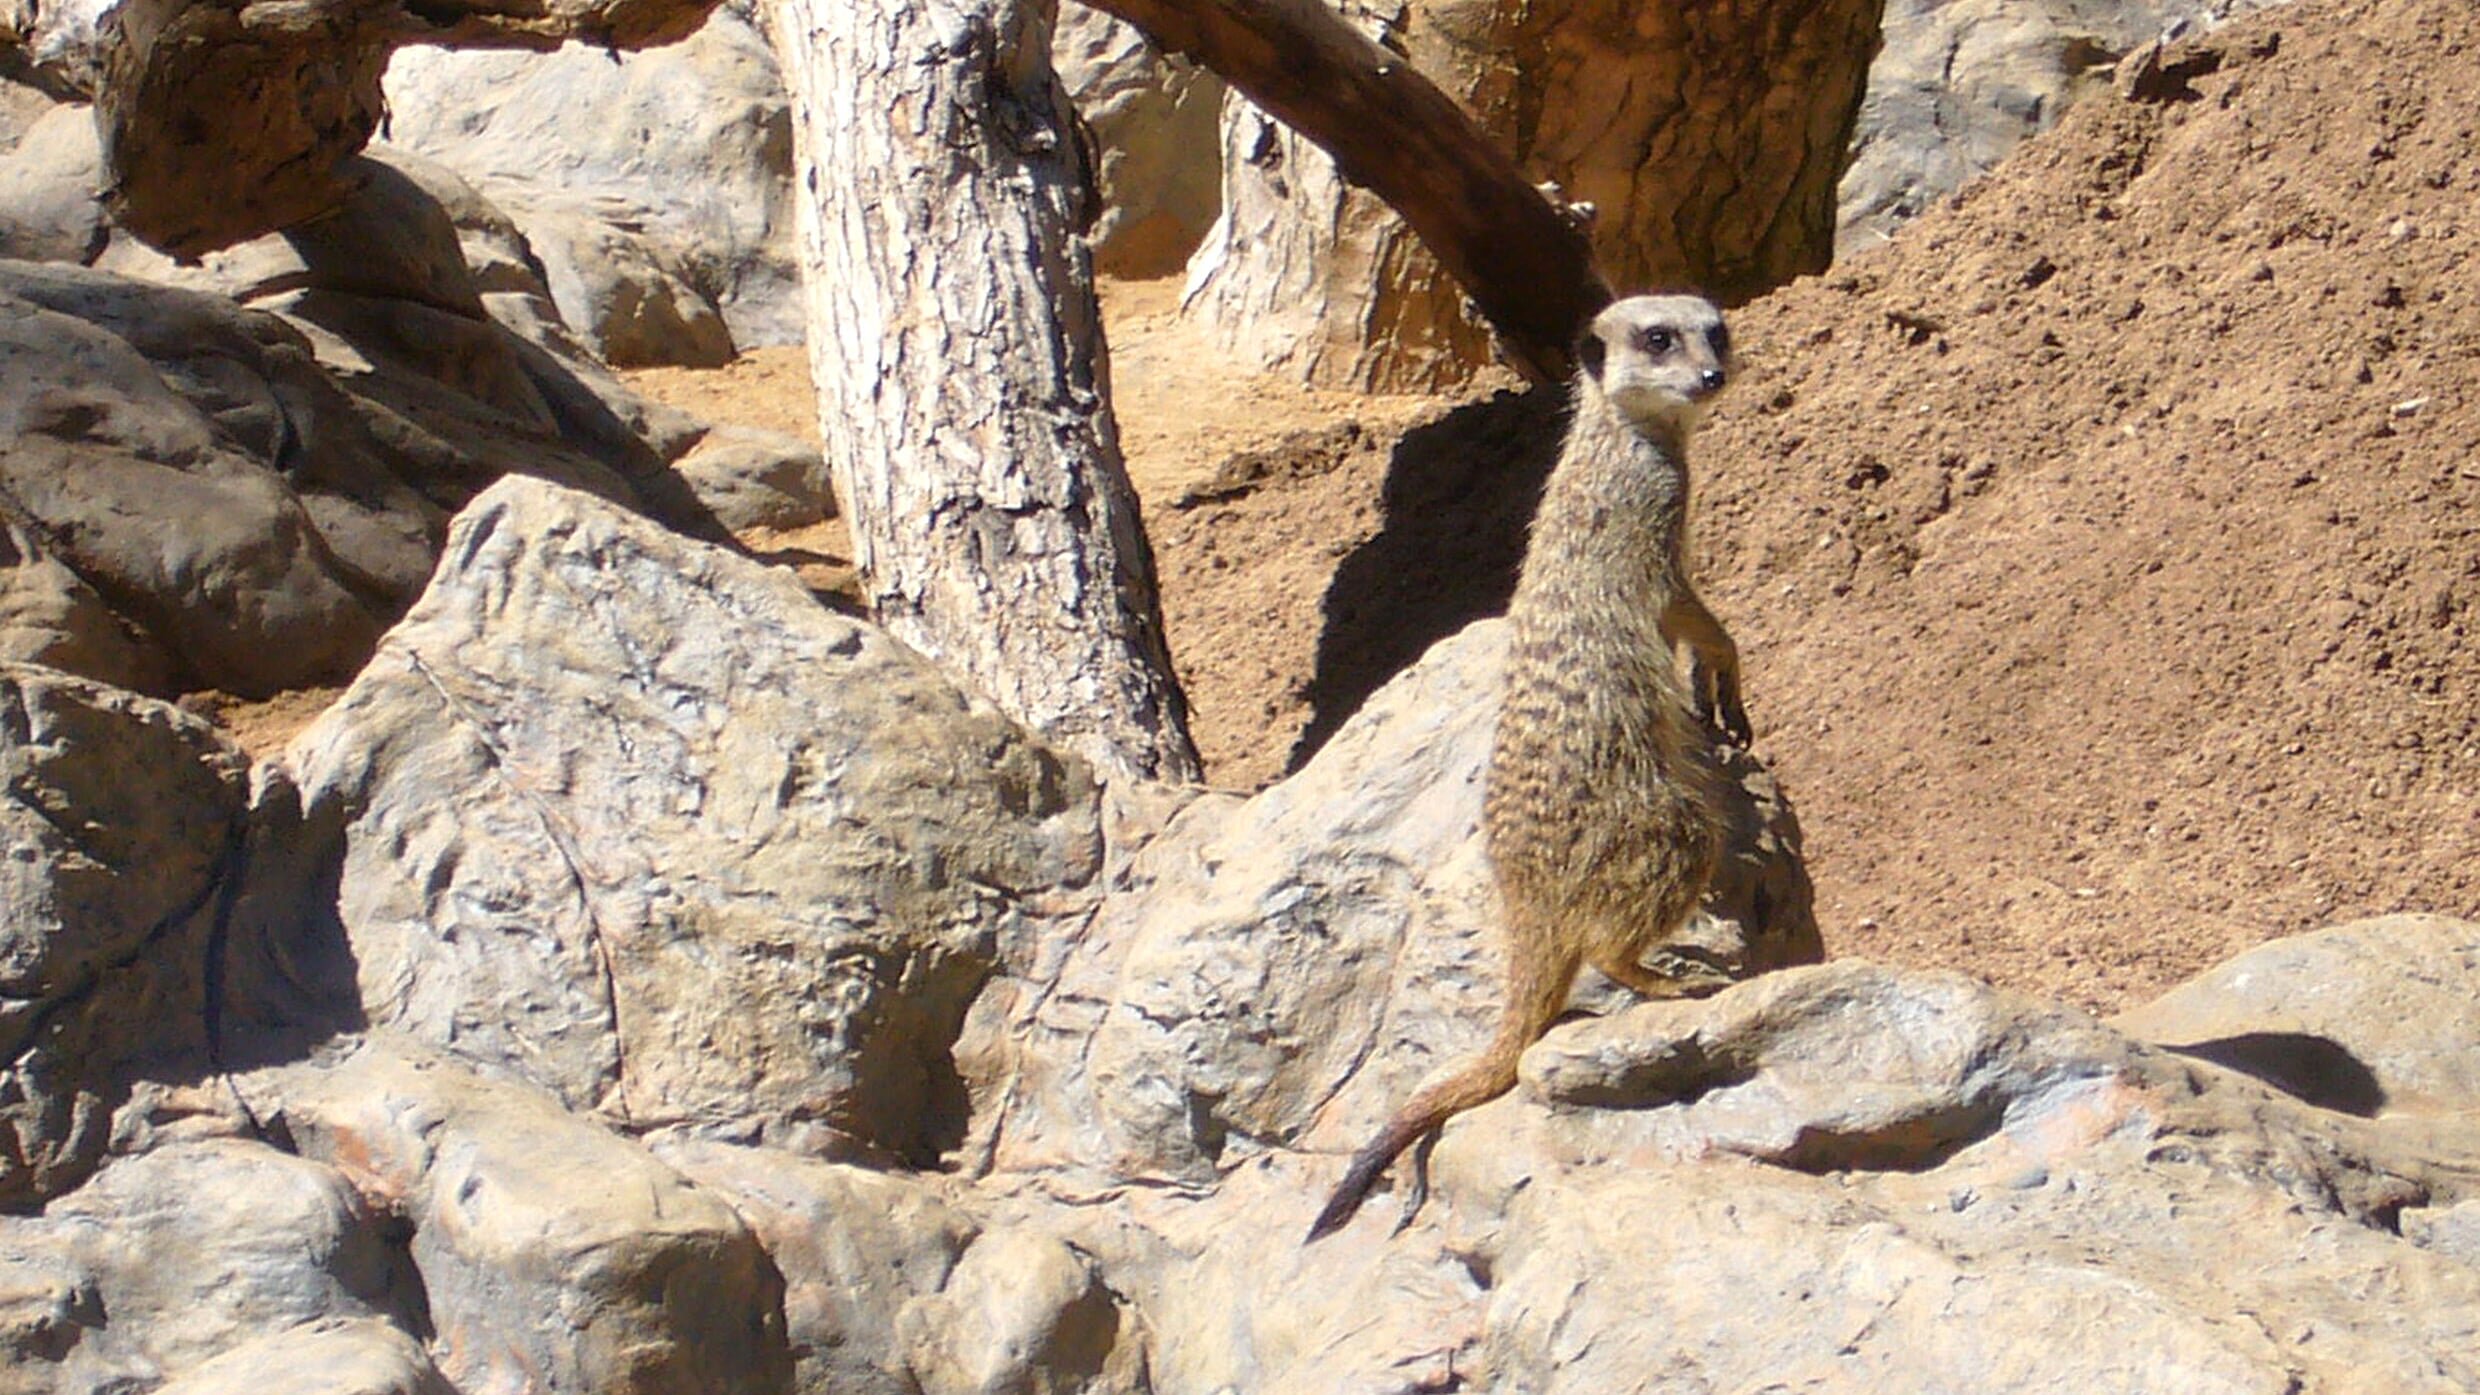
[(638, 820)]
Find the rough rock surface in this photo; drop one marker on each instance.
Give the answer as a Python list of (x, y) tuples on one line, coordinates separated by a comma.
[(685, 795), (312, 455), (2347, 1017), (1157, 161), (125, 820), (554, 1255), (656, 186), (334, 1356), (155, 455), (1966, 1190), (266, 1241), (51, 173), (758, 479)]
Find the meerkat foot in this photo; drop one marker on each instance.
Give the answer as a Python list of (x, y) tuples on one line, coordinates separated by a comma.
[(1733, 716), (1675, 976), (1713, 698)]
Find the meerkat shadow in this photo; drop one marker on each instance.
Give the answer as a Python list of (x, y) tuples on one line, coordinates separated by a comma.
[(2314, 1069), (1459, 496)]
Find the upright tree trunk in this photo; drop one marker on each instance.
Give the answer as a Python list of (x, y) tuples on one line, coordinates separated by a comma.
[(963, 386)]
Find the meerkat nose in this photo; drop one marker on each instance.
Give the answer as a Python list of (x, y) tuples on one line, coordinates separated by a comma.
[(1713, 379)]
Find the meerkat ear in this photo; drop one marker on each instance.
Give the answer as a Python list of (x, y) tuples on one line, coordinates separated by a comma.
[(1589, 351)]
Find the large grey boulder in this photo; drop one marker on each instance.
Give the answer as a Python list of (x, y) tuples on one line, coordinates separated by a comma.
[(160, 448), (893, 1290), (52, 172), (265, 1241), (638, 820), (171, 1259), (126, 822), (211, 497), (655, 185)]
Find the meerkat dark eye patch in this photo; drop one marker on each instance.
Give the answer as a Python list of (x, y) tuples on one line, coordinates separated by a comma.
[(1720, 338), (1656, 341)]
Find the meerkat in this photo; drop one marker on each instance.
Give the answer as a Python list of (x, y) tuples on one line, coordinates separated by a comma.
[(1600, 809)]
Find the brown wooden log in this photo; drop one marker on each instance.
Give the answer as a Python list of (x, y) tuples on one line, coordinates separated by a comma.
[(1527, 266)]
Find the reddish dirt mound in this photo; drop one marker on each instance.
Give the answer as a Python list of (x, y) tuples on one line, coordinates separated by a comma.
[(2103, 549), (2107, 549)]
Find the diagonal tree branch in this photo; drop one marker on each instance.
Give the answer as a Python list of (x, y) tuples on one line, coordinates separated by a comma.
[(1526, 264)]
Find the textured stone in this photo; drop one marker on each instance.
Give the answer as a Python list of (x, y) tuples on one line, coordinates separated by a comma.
[(148, 429), (333, 1356), (1158, 165), (682, 154), (125, 820), (857, 1249), (207, 497), (264, 1241), (758, 479), (1021, 1311), (636, 819), (50, 212), (554, 1255), (2348, 1018)]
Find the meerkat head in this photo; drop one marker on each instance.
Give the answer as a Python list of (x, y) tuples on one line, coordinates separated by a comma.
[(1658, 358)]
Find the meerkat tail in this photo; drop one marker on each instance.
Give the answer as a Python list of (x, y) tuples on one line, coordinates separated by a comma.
[(1536, 993)]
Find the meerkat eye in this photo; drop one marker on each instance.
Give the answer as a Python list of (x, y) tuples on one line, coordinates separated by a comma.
[(1721, 340), (1656, 341)]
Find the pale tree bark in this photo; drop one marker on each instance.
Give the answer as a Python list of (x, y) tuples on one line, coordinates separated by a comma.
[(963, 385)]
